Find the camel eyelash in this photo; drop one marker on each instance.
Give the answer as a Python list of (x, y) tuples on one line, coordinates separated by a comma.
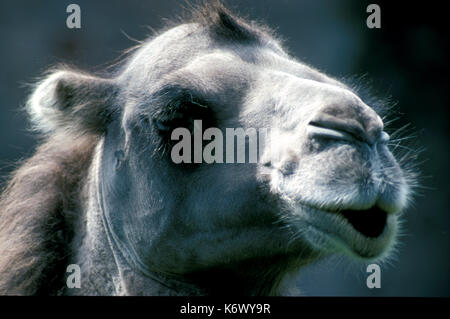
[(181, 112)]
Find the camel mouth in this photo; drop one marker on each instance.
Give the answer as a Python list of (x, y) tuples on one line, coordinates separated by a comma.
[(370, 222), (367, 234)]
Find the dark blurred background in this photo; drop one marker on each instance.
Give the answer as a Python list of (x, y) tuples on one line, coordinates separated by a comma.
[(405, 59)]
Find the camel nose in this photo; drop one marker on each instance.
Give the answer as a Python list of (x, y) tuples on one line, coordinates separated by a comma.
[(349, 122)]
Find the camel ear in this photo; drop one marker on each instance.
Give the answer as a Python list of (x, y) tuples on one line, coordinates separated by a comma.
[(72, 101)]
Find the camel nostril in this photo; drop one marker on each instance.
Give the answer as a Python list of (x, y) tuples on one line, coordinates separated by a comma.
[(337, 128), (289, 168), (267, 164), (348, 129)]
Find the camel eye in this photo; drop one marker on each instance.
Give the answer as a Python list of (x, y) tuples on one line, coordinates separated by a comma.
[(164, 124), (181, 112), (161, 126)]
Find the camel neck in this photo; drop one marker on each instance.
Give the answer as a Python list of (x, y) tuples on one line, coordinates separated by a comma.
[(104, 268)]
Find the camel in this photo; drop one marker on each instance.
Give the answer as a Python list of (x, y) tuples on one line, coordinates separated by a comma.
[(103, 192)]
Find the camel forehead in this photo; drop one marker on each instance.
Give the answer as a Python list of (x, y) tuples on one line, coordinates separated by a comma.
[(189, 49), (221, 71), (191, 43), (179, 46), (188, 57)]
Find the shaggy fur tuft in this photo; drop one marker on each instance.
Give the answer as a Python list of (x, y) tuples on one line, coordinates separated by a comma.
[(38, 209)]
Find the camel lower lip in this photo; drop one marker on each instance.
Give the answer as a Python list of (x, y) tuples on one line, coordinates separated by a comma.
[(351, 231)]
